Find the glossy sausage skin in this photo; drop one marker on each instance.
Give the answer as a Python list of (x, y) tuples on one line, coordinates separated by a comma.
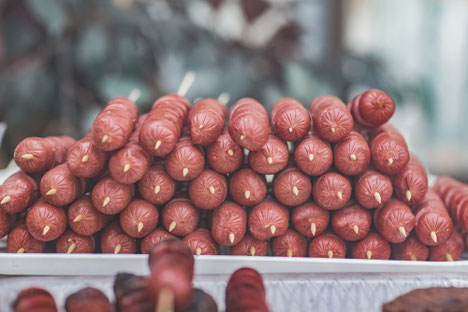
[(206, 121), (290, 244), (389, 150), (46, 222), (152, 239), (139, 218), (411, 249), (373, 189), (201, 243), (88, 299), (35, 155), (250, 246), (351, 223), (289, 119), (180, 217), (85, 159), (224, 155), (394, 221), (20, 241), (271, 157), (111, 197), (313, 155), (327, 245), (60, 187), (157, 186), (373, 246), (352, 154), (186, 161), (84, 219), (310, 219), (247, 188), (332, 191), (208, 190), (18, 192), (411, 184), (70, 242), (292, 187), (268, 219), (372, 108), (115, 241), (245, 292), (450, 250), (34, 299), (229, 224)]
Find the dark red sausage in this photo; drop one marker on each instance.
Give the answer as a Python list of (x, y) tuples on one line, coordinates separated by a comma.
[(372, 108), (411, 184), (85, 159), (290, 244), (268, 219), (352, 223), (394, 221), (202, 302), (331, 119), (111, 197), (20, 241), (134, 293), (201, 243), (6, 222), (245, 292), (157, 186), (450, 250), (224, 155), (34, 300), (206, 121), (313, 155), (180, 217), (250, 246), (289, 119), (46, 222), (247, 188), (84, 219), (60, 187), (34, 155), (229, 224), (292, 187), (332, 191), (88, 299), (208, 190), (310, 219), (411, 249), (186, 161), (139, 218), (158, 235), (249, 124), (352, 154), (70, 242), (373, 246), (327, 245), (271, 157), (115, 241), (18, 192), (372, 189)]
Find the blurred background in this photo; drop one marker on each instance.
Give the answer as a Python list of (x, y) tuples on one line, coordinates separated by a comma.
[(62, 60)]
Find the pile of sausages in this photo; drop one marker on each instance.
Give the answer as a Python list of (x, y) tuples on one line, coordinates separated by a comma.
[(334, 180)]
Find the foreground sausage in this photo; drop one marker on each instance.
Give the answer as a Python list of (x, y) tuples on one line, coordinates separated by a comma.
[(208, 190), (180, 217), (20, 241), (229, 224), (34, 300), (291, 187), (186, 161), (289, 119), (46, 222), (372, 189), (352, 223), (352, 154), (201, 243), (290, 244), (206, 121), (224, 155), (373, 246), (84, 219), (411, 184), (18, 192), (70, 242), (310, 219), (327, 245), (152, 239), (268, 219), (115, 241), (411, 249), (249, 124), (332, 191), (372, 108), (111, 197), (313, 155), (202, 302), (451, 250), (139, 218), (394, 221), (250, 246), (247, 188), (88, 299), (157, 186), (85, 159), (60, 187), (133, 293), (271, 157), (245, 292)]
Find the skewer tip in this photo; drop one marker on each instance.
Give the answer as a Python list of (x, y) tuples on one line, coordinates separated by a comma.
[(231, 238), (5, 200), (172, 226), (313, 228)]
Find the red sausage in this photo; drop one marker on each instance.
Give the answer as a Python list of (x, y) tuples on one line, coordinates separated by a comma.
[(373, 189), (450, 250), (201, 243), (60, 145), (85, 159), (394, 221), (186, 161), (60, 187), (70, 242), (111, 197), (313, 155), (20, 241), (411, 184), (411, 249), (202, 302), (84, 219), (250, 246), (289, 119), (332, 191), (46, 222), (271, 157), (373, 246), (327, 245), (331, 119), (139, 218), (208, 190), (115, 241), (34, 300), (268, 219), (152, 239), (352, 223), (352, 154), (372, 108), (114, 125), (249, 124), (229, 224), (310, 219), (133, 293), (157, 186), (247, 188), (245, 292), (291, 187), (455, 196), (224, 155), (6, 222), (290, 244), (18, 192), (88, 299), (180, 217), (206, 121), (34, 155)]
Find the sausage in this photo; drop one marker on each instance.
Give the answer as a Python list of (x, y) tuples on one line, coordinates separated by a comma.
[(6, 222), (268, 219), (133, 293), (247, 188), (450, 250), (291, 187), (351, 223), (373, 246), (433, 223), (114, 125), (229, 224), (201, 302), (60, 145), (224, 155), (310, 219), (139, 218), (186, 161), (250, 246), (34, 300), (180, 217), (411, 184), (20, 241), (389, 150), (327, 245), (206, 120), (70, 242), (330, 118), (46, 222), (332, 191), (411, 249), (372, 108), (208, 190), (290, 244), (85, 159), (59, 187), (115, 241), (111, 197), (34, 155), (394, 221), (157, 186), (372, 189), (271, 157), (201, 243), (84, 219), (88, 299), (352, 154), (18, 192), (313, 155), (245, 292), (456, 199), (158, 235), (289, 119)]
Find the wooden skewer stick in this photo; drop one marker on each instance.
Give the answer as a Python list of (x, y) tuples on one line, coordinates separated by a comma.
[(165, 301), (186, 83)]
